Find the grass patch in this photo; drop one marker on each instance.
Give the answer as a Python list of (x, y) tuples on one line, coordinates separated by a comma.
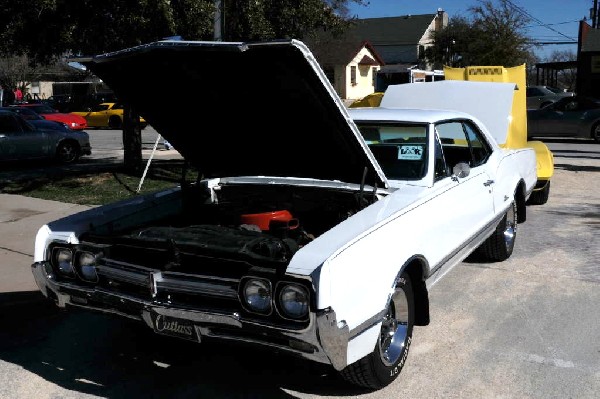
[(96, 187)]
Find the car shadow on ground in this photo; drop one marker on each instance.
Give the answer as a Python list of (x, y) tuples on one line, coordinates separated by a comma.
[(110, 357)]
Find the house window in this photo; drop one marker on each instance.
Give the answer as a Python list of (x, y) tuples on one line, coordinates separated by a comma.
[(353, 75), (374, 72), (330, 73)]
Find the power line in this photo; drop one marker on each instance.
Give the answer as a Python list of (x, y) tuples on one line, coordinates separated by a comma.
[(557, 23), (524, 12)]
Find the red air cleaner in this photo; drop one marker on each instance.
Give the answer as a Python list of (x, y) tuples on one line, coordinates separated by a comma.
[(263, 220)]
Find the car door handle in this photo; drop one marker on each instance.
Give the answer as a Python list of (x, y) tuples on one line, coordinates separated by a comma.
[(488, 183)]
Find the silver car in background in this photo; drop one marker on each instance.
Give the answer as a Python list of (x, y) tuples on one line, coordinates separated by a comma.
[(576, 116), (540, 96), (21, 140)]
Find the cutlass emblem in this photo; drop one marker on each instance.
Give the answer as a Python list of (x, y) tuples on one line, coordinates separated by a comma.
[(162, 325)]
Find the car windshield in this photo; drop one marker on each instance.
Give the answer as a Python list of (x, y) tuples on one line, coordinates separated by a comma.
[(400, 149), (100, 107), (43, 109)]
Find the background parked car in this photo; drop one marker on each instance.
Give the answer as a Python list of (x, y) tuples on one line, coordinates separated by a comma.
[(25, 113), (106, 115), (540, 96), (20, 140), (36, 119), (576, 116), (60, 102), (73, 121)]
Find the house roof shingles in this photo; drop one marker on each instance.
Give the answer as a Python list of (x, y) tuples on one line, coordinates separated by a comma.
[(407, 29), (396, 34)]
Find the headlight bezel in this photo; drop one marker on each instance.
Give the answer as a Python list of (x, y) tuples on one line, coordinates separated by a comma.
[(279, 307), (75, 267)]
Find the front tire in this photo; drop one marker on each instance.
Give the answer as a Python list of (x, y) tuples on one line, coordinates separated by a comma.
[(67, 152), (499, 246), (383, 365)]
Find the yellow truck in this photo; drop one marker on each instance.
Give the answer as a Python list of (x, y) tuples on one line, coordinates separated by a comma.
[(516, 136)]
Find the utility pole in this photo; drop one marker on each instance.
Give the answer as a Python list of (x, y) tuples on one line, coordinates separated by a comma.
[(218, 27), (594, 14)]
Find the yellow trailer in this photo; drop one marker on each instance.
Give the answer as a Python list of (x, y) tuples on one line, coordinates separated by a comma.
[(517, 130)]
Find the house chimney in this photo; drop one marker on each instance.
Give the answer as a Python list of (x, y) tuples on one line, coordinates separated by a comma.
[(441, 20)]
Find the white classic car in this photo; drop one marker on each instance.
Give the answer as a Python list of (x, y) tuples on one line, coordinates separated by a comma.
[(304, 232)]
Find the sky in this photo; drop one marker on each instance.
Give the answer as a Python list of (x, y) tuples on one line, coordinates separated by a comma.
[(551, 20)]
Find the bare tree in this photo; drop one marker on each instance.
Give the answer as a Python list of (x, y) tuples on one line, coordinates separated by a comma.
[(16, 71), (566, 77), (493, 35)]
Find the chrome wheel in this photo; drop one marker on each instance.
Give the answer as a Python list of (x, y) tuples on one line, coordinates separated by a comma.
[(510, 228), (394, 329), (67, 152), (385, 362)]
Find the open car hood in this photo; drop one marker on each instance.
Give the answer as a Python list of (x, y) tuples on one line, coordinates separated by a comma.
[(242, 109)]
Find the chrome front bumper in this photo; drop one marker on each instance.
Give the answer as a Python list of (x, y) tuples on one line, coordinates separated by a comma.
[(324, 340)]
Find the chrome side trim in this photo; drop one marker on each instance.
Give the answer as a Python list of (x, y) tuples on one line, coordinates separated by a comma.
[(468, 246)]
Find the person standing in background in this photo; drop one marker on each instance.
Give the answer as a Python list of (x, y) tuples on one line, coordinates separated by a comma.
[(18, 95), (8, 97)]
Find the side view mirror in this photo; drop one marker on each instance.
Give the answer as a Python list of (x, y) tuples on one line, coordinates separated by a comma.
[(461, 169)]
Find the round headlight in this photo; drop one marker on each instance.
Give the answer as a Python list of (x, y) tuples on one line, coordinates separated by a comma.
[(86, 266), (294, 301), (63, 260), (257, 295)]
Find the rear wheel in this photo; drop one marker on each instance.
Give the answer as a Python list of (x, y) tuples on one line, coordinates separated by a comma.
[(595, 134), (540, 197), (67, 152), (384, 364), (499, 246), (115, 122)]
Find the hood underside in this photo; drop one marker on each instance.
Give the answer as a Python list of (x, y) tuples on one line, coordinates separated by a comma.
[(242, 109)]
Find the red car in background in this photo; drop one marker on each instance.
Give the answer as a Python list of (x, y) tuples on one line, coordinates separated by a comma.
[(74, 122)]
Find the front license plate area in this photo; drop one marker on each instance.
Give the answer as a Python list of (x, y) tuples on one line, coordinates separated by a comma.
[(174, 327)]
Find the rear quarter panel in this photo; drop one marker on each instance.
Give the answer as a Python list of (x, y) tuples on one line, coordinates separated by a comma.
[(514, 166)]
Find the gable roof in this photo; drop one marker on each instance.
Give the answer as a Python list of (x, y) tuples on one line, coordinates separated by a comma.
[(394, 39), (330, 52), (406, 29)]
